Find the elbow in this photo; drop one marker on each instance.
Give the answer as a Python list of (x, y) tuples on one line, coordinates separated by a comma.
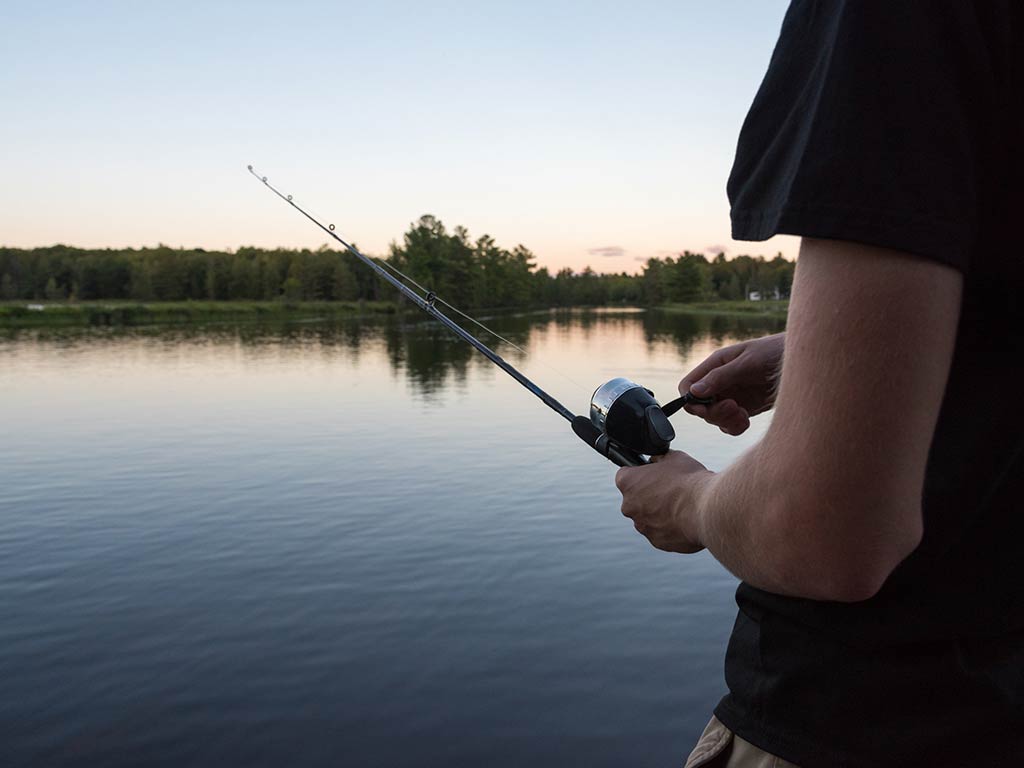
[(855, 586), (847, 556), (837, 582), (860, 572)]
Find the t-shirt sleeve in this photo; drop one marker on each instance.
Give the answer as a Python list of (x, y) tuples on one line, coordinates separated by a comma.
[(869, 127)]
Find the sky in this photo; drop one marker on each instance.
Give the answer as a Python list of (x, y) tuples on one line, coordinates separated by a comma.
[(591, 132)]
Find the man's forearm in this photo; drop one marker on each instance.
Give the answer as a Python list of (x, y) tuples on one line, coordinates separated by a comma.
[(740, 523), (766, 523)]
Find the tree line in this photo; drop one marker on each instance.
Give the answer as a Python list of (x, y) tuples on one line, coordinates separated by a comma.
[(466, 272)]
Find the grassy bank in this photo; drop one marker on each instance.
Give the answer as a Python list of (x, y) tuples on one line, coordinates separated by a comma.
[(22, 314), (39, 314), (773, 309)]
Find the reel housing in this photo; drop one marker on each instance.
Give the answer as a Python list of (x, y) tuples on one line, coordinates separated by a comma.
[(630, 416), (627, 423)]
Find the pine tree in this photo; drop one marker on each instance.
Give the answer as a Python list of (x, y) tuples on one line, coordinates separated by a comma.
[(344, 286), (8, 290), (54, 292)]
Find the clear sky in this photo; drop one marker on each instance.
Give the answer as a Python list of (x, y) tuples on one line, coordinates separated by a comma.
[(592, 132)]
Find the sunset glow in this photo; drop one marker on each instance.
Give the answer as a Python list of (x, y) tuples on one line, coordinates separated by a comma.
[(592, 133)]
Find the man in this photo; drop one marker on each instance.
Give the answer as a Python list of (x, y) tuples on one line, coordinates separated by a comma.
[(877, 526)]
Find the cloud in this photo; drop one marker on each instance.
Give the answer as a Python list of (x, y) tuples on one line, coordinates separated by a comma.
[(661, 253), (716, 249), (608, 251)]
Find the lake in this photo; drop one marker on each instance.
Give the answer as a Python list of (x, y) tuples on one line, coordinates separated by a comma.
[(354, 543)]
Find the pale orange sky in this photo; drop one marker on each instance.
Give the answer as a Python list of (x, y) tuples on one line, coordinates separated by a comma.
[(593, 133)]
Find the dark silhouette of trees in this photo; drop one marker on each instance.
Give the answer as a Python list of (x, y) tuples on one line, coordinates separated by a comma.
[(690, 277), (467, 273)]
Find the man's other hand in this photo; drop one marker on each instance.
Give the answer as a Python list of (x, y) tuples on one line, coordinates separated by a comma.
[(742, 380)]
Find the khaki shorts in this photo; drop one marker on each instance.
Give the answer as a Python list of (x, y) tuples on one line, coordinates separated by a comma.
[(719, 747)]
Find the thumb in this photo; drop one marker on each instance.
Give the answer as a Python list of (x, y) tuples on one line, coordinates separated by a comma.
[(706, 386)]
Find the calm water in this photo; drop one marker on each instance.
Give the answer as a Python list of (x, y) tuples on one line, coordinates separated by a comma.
[(354, 544)]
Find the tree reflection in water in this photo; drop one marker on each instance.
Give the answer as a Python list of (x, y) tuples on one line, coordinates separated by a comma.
[(429, 356)]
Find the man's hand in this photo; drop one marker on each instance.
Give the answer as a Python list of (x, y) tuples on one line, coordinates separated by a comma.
[(741, 378), (662, 500)]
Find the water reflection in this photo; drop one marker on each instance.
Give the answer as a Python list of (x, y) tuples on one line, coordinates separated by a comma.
[(417, 348), (683, 329), (356, 543)]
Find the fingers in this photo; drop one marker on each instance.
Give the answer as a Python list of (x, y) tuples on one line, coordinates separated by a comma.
[(709, 385), (710, 379), (622, 478), (714, 360), (718, 359), (625, 479), (727, 415), (719, 380)]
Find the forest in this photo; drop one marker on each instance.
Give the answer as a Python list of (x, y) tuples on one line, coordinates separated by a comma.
[(465, 272)]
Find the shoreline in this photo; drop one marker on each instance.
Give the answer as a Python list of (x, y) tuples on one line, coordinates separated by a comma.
[(775, 309), (42, 314)]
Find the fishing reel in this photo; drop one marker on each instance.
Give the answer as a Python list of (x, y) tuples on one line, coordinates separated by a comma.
[(627, 424)]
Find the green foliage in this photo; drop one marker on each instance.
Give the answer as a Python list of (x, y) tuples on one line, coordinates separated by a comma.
[(53, 293), (118, 313), (717, 308), (291, 289), (692, 278), (467, 273), (165, 274)]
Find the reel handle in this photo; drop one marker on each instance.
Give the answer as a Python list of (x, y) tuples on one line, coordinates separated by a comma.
[(674, 405), (598, 440)]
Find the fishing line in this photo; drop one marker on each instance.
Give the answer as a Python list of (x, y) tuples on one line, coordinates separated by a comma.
[(387, 265), (426, 291), (626, 423), (428, 304)]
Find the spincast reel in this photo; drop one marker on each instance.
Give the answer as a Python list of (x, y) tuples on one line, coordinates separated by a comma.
[(626, 423)]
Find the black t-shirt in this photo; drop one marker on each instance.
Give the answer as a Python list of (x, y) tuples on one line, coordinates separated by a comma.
[(898, 124)]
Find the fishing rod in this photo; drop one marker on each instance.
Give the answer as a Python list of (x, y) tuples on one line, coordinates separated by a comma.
[(625, 423)]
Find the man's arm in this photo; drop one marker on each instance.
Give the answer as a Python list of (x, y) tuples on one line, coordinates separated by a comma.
[(829, 502)]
